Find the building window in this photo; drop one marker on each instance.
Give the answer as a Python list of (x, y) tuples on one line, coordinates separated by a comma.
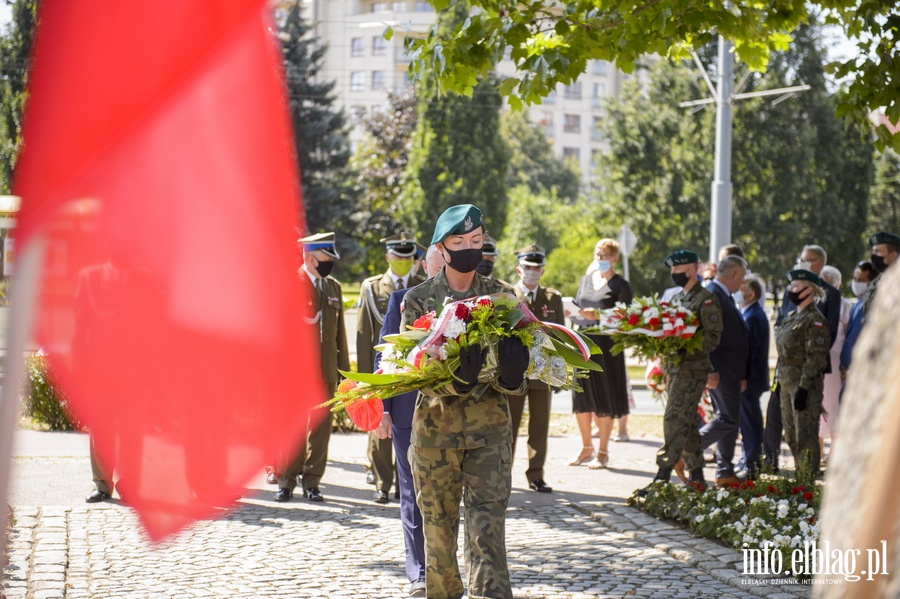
[(379, 46), (572, 123), (399, 6), (571, 154), (358, 81), (379, 7), (356, 47), (547, 122), (378, 80), (596, 133), (573, 91), (598, 90), (550, 98), (600, 68)]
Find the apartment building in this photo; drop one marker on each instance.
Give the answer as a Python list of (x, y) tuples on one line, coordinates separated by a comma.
[(366, 67)]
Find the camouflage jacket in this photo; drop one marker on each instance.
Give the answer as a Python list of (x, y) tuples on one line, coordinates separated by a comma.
[(443, 418), (803, 342), (705, 305)]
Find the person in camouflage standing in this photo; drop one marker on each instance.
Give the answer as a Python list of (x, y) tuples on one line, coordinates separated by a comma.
[(803, 343), (885, 251), (461, 434), (687, 376)]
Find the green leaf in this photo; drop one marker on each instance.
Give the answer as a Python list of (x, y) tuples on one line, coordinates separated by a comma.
[(388, 33), (375, 380), (573, 357)]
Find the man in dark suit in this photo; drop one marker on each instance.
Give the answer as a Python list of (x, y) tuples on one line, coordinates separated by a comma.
[(396, 424), (814, 258), (730, 364), (751, 426)]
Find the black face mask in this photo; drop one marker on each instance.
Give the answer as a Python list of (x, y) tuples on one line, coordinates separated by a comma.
[(464, 260), (681, 279), (794, 297), (485, 268), (878, 263), (324, 268)]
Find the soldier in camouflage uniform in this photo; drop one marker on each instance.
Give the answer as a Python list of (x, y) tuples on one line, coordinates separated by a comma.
[(374, 294), (885, 251), (687, 378), (803, 343), (461, 433)]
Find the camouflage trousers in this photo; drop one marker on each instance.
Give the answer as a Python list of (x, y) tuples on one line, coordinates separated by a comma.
[(482, 477), (681, 432), (801, 428)]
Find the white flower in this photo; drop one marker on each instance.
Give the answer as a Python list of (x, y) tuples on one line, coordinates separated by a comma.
[(455, 327)]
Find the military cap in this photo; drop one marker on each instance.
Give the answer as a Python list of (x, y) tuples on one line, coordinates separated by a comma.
[(801, 274), (531, 255), (322, 242), (456, 220), (681, 257), (401, 244), (490, 246), (884, 237)]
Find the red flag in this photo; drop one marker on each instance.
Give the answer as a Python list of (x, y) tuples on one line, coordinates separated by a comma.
[(158, 167)]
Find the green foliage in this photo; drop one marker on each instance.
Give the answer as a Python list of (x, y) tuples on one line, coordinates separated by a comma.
[(379, 162), (44, 404), (15, 51), (321, 137), (532, 162), (884, 211), (550, 43)]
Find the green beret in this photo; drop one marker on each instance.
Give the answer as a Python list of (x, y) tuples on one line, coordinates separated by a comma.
[(681, 257), (323, 242), (456, 220), (800, 274), (884, 237)]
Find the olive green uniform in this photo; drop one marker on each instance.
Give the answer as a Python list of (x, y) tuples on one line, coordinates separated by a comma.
[(803, 343), (462, 444), (868, 298), (547, 305), (686, 381), (374, 294), (326, 309)]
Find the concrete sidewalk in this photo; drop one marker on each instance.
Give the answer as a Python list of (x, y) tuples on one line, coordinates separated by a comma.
[(580, 541)]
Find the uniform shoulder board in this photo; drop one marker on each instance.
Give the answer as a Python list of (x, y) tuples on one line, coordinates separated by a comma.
[(551, 291)]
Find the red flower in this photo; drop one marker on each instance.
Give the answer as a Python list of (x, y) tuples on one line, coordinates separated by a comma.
[(798, 489), (633, 319), (424, 322), (773, 490), (680, 314), (811, 519), (808, 496), (653, 322), (462, 312), (664, 304), (644, 308), (484, 302)]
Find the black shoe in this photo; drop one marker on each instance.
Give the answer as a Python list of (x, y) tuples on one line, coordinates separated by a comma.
[(271, 479), (313, 494), (284, 495), (417, 589), (540, 486), (96, 496), (370, 477), (381, 497), (696, 479)]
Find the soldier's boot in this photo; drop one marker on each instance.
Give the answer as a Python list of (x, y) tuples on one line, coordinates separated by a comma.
[(663, 475), (696, 479)]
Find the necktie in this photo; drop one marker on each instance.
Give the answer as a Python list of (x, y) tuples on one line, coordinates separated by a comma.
[(399, 284), (530, 296)]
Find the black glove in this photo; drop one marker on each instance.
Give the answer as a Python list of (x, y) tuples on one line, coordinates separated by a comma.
[(801, 398), (512, 360), (471, 359)]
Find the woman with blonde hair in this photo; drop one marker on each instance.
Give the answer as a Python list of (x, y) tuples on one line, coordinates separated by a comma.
[(604, 393)]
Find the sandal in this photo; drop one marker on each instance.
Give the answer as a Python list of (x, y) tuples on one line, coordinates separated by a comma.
[(578, 460), (598, 463)]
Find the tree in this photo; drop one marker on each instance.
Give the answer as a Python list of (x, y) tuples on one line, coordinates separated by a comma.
[(884, 210), (532, 162), (15, 52), (458, 156), (379, 163), (550, 43), (320, 133)]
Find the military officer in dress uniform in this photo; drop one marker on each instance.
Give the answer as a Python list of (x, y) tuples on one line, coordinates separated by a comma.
[(326, 310), (803, 343), (689, 374), (547, 305), (461, 433), (374, 294)]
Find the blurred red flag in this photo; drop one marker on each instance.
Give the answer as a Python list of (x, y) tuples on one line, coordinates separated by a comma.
[(158, 168)]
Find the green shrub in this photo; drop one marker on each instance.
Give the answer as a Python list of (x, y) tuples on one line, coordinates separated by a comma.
[(44, 404)]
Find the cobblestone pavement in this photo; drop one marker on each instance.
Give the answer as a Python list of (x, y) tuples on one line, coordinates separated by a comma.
[(571, 544)]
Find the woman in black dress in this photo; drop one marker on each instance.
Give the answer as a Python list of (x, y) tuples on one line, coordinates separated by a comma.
[(604, 393)]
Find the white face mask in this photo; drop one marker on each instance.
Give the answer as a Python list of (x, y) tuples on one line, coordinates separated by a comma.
[(739, 297), (531, 277), (859, 288)]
